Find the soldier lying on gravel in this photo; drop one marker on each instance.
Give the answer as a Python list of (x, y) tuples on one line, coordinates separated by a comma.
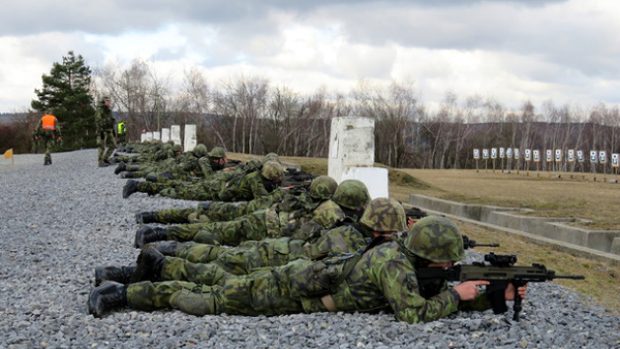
[(349, 200), (383, 277), (227, 187), (322, 188), (178, 165), (208, 264)]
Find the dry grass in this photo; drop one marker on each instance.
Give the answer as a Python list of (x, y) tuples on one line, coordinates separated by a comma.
[(579, 197), (576, 197)]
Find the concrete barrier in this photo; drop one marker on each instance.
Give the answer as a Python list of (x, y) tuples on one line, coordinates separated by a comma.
[(514, 219)]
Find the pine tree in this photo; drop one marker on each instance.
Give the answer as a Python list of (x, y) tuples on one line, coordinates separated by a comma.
[(66, 94)]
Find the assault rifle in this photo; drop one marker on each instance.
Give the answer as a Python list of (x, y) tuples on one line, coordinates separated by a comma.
[(499, 270)]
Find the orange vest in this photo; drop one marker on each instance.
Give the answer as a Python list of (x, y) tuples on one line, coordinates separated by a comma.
[(48, 122)]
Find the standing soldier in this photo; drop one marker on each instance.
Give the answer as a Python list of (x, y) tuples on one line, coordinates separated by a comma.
[(105, 131), (48, 133)]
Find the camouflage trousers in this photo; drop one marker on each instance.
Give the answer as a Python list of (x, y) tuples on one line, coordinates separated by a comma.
[(105, 144), (202, 190), (218, 212), (256, 226), (269, 291), (208, 264), (205, 263)]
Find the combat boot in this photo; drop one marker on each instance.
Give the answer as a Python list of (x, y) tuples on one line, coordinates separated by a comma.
[(148, 234), (128, 174), (130, 187), (167, 247), (204, 206), (103, 163), (120, 168), (146, 217), (108, 296), (151, 177), (110, 273), (149, 266)]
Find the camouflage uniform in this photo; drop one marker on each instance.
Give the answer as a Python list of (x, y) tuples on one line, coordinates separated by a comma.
[(254, 185), (321, 188), (105, 132), (261, 224), (382, 279), (209, 264)]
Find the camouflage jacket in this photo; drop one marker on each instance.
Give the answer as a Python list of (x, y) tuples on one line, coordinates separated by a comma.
[(384, 279), (246, 188), (104, 119)]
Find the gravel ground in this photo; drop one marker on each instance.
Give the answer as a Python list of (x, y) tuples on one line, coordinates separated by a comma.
[(58, 222)]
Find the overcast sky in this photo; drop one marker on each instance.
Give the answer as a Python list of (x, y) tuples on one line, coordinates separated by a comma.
[(568, 51)]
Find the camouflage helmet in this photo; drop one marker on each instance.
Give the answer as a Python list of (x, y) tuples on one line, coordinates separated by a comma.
[(253, 165), (177, 148), (384, 215), (328, 214), (272, 171), (217, 152), (271, 157), (200, 150), (352, 194), (435, 238), (323, 187)]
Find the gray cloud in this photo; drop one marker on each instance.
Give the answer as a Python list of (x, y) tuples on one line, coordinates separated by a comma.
[(20, 17)]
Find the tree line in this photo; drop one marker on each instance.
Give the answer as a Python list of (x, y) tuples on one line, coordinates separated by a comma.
[(251, 115)]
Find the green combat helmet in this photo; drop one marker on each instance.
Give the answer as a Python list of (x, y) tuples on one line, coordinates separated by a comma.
[(328, 214), (217, 152), (253, 165), (384, 215), (436, 239), (272, 171), (323, 187), (271, 157), (200, 150), (177, 148), (352, 194)]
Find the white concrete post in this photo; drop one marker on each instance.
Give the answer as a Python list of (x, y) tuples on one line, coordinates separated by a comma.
[(190, 138), (156, 136), (352, 154), (175, 134), (165, 135), (143, 137), (149, 136)]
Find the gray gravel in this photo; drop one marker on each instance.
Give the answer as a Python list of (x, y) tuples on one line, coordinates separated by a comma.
[(58, 222)]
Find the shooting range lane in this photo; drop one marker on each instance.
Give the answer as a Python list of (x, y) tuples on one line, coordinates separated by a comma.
[(58, 222)]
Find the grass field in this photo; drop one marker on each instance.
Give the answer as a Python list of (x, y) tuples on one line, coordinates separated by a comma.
[(579, 197), (548, 196)]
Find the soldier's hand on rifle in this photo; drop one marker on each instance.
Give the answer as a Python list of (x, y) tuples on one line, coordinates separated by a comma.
[(509, 294), (468, 290)]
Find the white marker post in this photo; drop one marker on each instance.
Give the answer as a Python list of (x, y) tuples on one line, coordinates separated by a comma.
[(175, 134), (517, 155), (536, 155), (352, 154), (149, 136), (485, 157), (581, 159), (476, 157), (143, 137), (190, 141), (165, 135), (156, 136), (593, 161), (558, 160)]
